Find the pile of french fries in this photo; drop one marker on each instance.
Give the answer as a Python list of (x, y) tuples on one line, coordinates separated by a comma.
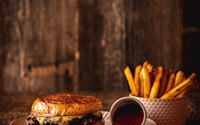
[(157, 82)]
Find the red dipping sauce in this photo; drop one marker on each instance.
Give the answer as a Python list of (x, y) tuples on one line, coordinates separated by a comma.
[(129, 114)]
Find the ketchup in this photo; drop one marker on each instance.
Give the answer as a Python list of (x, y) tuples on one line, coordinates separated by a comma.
[(129, 114)]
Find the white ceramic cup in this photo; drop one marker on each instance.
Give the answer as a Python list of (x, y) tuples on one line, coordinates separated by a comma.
[(125, 105)]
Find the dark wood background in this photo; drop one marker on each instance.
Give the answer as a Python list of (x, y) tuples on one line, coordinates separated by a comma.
[(83, 45)]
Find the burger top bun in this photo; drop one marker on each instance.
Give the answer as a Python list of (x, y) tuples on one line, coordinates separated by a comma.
[(65, 105)]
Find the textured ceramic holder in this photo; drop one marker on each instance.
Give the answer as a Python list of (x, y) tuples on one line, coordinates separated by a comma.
[(165, 111)]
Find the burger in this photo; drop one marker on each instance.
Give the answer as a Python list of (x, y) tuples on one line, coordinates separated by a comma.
[(66, 109)]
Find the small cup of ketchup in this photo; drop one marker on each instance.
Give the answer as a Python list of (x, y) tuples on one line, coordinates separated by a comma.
[(127, 111)]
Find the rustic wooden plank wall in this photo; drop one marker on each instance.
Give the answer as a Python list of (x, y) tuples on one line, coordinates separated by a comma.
[(102, 42), (191, 36), (41, 48), (78, 45), (154, 29), (127, 32)]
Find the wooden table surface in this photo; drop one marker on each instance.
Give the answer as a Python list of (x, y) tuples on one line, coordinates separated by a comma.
[(18, 105)]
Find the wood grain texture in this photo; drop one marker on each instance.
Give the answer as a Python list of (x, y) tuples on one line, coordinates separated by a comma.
[(154, 30), (42, 34), (74, 45)]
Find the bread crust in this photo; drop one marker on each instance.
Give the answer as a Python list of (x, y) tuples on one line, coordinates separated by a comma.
[(65, 105)]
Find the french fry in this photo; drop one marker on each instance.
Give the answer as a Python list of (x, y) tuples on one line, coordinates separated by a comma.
[(149, 67), (179, 77), (193, 86), (163, 82), (150, 82), (182, 93), (176, 90), (145, 63), (145, 81), (137, 79), (153, 74), (141, 81), (156, 84), (170, 82), (130, 80), (141, 87)]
